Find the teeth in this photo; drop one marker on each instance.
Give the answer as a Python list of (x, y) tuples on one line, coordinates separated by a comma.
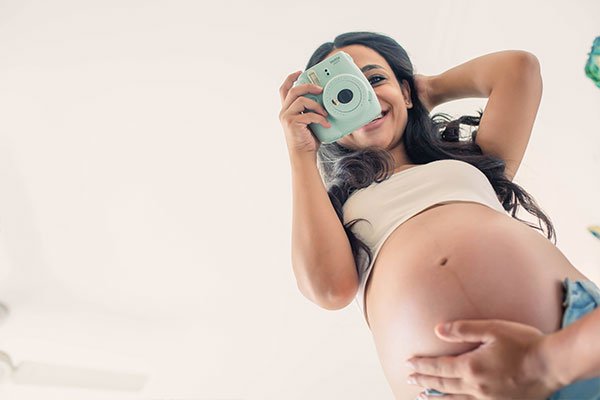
[(377, 117)]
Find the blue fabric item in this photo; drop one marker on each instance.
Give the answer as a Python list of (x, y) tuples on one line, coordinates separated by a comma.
[(580, 298)]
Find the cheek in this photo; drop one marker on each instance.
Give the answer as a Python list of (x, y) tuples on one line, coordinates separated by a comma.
[(346, 142), (343, 141)]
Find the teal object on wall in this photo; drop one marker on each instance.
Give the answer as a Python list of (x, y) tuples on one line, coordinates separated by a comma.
[(594, 230), (592, 67)]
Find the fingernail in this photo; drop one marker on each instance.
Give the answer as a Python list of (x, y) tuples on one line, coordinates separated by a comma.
[(411, 381), (409, 364), (446, 327)]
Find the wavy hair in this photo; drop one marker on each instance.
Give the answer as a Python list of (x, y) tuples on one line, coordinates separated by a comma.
[(425, 139)]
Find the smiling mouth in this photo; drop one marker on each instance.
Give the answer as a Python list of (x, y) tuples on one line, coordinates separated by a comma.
[(376, 122), (381, 115)]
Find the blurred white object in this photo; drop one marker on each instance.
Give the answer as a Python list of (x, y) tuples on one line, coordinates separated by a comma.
[(3, 313), (34, 373)]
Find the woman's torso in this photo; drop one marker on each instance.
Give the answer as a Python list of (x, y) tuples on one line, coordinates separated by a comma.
[(459, 260)]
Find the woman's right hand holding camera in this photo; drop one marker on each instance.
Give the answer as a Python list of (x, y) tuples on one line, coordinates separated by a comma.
[(295, 120)]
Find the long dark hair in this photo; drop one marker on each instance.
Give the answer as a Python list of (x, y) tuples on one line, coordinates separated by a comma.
[(425, 139)]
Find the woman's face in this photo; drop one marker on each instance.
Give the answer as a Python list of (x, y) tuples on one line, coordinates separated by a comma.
[(392, 97)]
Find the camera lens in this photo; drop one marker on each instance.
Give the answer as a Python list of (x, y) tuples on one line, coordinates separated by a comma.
[(345, 96)]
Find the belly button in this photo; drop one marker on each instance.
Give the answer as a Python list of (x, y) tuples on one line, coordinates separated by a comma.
[(444, 261)]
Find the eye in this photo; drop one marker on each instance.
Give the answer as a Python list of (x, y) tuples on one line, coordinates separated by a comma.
[(375, 77)]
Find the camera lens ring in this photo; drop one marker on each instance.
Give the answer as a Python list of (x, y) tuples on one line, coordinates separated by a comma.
[(342, 85)]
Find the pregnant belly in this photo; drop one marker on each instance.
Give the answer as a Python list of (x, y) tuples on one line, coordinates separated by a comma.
[(459, 261)]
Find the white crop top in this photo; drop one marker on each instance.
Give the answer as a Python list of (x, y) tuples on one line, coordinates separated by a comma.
[(387, 204)]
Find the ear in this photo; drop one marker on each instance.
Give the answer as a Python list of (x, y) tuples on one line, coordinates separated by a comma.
[(405, 87)]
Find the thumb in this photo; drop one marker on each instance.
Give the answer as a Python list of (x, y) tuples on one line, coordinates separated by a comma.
[(471, 331)]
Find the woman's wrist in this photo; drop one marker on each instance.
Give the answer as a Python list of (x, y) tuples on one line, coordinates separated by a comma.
[(543, 364), (433, 93)]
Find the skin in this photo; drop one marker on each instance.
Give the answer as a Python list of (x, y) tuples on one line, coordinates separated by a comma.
[(392, 96)]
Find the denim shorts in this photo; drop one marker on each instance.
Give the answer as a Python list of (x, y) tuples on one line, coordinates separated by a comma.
[(580, 298)]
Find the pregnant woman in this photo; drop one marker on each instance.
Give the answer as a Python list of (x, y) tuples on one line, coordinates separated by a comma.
[(412, 219)]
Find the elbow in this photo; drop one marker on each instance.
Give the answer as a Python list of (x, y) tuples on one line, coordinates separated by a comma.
[(333, 299), (527, 64), (526, 59), (526, 70), (531, 64), (338, 302), (332, 290), (343, 296)]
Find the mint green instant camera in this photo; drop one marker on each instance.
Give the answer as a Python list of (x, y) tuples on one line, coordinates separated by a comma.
[(347, 96)]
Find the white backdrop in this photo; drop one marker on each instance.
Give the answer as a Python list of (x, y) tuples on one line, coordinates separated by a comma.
[(145, 191)]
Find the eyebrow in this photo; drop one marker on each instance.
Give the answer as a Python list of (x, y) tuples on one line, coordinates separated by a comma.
[(370, 67)]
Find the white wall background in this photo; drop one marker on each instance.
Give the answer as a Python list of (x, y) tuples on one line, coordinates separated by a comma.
[(145, 192)]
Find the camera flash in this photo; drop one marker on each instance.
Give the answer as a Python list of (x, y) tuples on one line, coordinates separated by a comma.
[(313, 78)]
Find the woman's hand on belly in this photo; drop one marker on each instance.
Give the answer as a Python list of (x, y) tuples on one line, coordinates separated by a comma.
[(506, 365)]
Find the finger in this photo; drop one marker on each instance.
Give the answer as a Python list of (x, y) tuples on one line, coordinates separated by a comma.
[(287, 84), (472, 331), (444, 385), (443, 366), (304, 103), (298, 92), (313, 118), (304, 119)]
